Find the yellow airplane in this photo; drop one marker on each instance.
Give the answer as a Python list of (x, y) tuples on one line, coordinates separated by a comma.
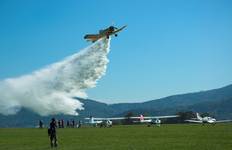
[(103, 33)]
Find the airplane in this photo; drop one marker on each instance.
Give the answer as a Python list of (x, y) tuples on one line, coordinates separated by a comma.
[(204, 120), (102, 122), (107, 122), (104, 33), (92, 121), (152, 120)]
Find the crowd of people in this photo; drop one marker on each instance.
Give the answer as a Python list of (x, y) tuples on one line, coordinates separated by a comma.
[(62, 124)]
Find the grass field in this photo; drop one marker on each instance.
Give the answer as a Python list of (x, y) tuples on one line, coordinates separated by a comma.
[(137, 137)]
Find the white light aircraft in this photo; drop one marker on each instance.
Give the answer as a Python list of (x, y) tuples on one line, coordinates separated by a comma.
[(203, 120), (102, 122), (152, 120), (107, 122)]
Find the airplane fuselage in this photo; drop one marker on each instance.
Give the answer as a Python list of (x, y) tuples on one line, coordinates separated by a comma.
[(203, 120), (208, 120), (151, 121), (107, 32)]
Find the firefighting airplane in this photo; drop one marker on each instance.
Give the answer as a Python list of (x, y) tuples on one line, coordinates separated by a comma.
[(204, 120), (103, 33), (107, 122)]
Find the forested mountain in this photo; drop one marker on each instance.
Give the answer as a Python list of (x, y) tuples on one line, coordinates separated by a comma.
[(217, 102)]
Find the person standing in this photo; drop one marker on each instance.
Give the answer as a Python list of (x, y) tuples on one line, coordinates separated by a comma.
[(62, 123), (67, 123), (52, 133), (73, 123), (59, 123), (40, 124)]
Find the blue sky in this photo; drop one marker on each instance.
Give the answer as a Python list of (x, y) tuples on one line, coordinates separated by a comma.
[(169, 47)]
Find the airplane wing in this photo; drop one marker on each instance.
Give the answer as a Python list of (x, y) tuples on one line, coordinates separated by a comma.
[(116, 118), (194, 121), (122, 118), (223, 121), (156, 117), (161, 117), (118, 30)]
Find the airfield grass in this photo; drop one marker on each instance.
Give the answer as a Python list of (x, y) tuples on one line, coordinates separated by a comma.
[(134, 137)]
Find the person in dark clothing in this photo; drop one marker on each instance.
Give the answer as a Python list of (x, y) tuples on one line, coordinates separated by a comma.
[(52, 133), (40, 124), (62, 123), (67, 123), (59, 123), (73, 123)]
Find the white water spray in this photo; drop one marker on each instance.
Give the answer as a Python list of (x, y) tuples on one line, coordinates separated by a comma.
[(51, 89)]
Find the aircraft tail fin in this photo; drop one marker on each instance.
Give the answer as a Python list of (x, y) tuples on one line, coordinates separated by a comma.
[(199, 117), (141, 118), (91, 120)]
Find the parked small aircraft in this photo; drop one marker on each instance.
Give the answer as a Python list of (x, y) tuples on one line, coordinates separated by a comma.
[(107, 122), (103, 33), (206, 119), (152, 120), (102, 122)]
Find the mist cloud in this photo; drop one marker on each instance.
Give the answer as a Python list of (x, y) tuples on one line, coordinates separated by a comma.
[(51, 90)]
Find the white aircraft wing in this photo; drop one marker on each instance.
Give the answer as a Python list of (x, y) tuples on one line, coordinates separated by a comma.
[(160, 117), (194, 121), (156, 117), (122, 118), (221, 121), (116, 118)]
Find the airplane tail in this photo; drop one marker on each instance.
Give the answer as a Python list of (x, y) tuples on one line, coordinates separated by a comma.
[(141, 118), (89, 36), (199, 117), (91, 120)]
